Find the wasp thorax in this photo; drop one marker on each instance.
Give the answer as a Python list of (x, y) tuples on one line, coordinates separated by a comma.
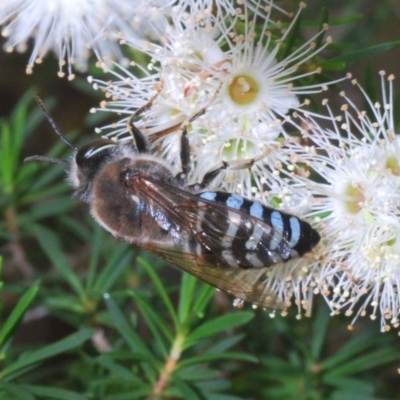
[(148, 167)]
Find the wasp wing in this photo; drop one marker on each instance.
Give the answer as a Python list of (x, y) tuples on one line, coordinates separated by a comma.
[(209, 263), (245, 284)]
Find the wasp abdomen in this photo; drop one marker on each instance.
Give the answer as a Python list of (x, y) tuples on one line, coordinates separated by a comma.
[(258, 236)]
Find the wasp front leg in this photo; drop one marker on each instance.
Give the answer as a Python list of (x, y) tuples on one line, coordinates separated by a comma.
[(184, 157)]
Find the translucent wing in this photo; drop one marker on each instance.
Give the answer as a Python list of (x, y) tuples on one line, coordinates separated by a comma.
[(223, 246), (245, 284)]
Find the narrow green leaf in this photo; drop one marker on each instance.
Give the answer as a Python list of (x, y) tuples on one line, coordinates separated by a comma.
[(133, 340), (55, 189), (77, 228), (52, 208), (94, 256), (119, 370), (364, 53), (161, 289), (16, 392), (53, 393), (225, 344), (51, 246), (349, 384), (156, 323), (186, 390), (332, 65), (219, 356), (278, 364), (129, 395), (319, 329), (188, 286), (205, 294), (347, 19), (193, 373), (7, 170), (221, 396), (32, 357), (19, 118), (118, 262), (219, 324), (44, 177), (348, 351), (345, 395), (362, 363), (17, 313)]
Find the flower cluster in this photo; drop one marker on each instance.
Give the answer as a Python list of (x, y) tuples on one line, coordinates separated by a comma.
[(72, 29), (238, 78), (231, 84), (227, 82), (353, 167)]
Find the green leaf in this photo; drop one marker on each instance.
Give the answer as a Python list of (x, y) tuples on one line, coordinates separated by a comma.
[(133, 340), (349, 384), (225, 344), (130, 395), (119, 370), (53, 393), (332, 65), (217, 325), (203, 297), (193, 373), (117, 263), (344, 395), (16, 392), (27, 359), (50, 245), (186, 390), (362, 363), (94, 256), (160, 288), (348, 351), (347, 19), (187, 290), (50, 208), (218, 356), (364, 53), (319, 329), (156, 323), (17, 313)]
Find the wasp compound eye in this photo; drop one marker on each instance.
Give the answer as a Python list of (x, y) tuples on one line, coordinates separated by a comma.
[(94, 153)]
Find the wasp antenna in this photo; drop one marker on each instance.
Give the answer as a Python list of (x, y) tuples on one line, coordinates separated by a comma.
[(46, 159), (52, 122)]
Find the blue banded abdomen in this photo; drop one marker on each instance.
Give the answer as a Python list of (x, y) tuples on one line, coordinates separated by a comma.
[(256, 236)]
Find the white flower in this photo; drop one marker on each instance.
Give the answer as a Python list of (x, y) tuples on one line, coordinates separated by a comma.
[(72, 28), (355, 171), (219, 67), (243, 91)]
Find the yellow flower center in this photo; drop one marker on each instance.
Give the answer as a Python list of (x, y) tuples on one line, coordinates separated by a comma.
[(243, 89), (354, 206), (392, 165)]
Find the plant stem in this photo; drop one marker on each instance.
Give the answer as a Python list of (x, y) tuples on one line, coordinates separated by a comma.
[(169, 367)]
